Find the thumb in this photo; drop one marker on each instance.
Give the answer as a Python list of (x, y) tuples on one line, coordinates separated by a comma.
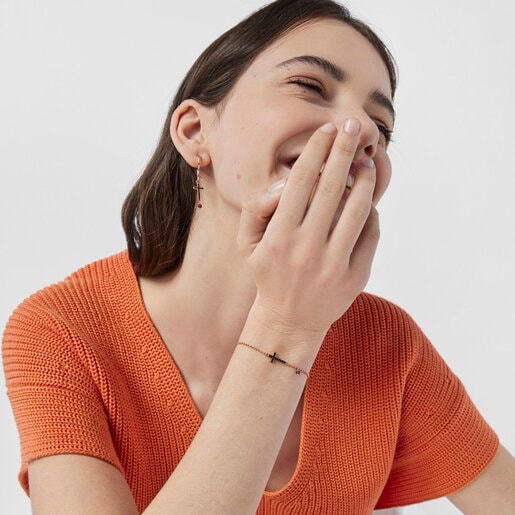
[(255, 215)]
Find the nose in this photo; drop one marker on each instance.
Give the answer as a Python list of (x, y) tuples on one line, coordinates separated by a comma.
[(369, 134), (369, 137)]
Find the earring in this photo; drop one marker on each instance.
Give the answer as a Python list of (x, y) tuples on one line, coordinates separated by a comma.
[(198, 185)]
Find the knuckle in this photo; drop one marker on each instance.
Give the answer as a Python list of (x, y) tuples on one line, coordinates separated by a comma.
[(358, 281), (303, 260), (345, 147), (357, 213), (361, 283), (331, 275), (331, 186), (274, 246), (300, 174)]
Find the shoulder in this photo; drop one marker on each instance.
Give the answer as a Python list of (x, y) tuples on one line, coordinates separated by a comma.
[(373, 331), (380, 319), (378, 310), (83, 306), (82, 291), (376, 332)]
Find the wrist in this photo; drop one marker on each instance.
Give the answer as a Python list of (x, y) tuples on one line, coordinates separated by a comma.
[(271, 332), (275, 358)]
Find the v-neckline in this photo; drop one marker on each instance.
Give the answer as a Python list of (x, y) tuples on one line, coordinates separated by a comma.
[(166, 356)]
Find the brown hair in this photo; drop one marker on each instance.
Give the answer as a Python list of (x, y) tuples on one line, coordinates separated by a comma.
[(158, 211)]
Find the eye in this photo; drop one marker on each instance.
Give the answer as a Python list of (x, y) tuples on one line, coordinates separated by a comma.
[(309, 85), (385, 132)]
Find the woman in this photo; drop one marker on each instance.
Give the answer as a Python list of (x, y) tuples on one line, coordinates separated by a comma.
[(284, 377)]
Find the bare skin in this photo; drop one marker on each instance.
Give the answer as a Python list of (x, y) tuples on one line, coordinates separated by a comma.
[(234, 288)]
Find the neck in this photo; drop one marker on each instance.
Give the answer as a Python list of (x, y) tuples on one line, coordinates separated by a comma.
[(215, 280), (201, 308)]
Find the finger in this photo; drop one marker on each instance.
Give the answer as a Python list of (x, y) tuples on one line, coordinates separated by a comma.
[(356, 210), (383, 163), (303, 176), (330, 188), (365, 249), (255, 215)]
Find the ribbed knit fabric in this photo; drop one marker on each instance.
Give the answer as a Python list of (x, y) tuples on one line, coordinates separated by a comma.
[(385, 421)]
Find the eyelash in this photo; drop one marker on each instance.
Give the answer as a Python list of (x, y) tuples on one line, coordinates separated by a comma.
[(312, 86), (316, 88), (386, 132)]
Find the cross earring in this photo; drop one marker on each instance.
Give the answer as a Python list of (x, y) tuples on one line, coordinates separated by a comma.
[(198, 186)]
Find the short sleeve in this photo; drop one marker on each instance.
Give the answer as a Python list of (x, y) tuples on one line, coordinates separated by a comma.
[(443, 443), (52, 389)]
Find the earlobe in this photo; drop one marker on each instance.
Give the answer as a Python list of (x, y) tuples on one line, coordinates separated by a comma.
[(186, 132)]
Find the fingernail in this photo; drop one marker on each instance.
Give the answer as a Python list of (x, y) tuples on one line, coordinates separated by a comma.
[(328, 128), (352, 126), (276, 187), (368, 162)]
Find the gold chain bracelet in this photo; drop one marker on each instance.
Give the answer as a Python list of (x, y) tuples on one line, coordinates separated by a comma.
[(274, 357)]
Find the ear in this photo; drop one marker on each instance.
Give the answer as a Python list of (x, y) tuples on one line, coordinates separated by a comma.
[(187, 129)]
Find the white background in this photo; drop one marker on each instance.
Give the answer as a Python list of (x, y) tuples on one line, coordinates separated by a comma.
[(84, 90)]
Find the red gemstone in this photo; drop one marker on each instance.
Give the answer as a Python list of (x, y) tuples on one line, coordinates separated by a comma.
[(199, 205)]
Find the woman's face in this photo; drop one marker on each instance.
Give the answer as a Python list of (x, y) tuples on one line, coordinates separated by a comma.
[(324, 71)]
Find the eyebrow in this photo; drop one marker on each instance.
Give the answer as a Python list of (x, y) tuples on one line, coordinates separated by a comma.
[(327, 66), (339, 75)]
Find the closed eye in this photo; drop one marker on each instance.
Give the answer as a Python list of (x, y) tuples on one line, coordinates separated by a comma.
[(309, 85), (385, 132)]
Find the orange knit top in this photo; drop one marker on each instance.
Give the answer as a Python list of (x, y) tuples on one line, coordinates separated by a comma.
[(385, 421)]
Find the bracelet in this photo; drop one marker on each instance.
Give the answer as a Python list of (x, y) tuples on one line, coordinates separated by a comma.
[(274, 357)]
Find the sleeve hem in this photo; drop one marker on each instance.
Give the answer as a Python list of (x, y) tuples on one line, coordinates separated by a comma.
[(23, 475), (422, 494)]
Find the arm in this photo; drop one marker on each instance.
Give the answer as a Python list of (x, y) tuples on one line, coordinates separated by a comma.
[(493, 491), (229, 462)]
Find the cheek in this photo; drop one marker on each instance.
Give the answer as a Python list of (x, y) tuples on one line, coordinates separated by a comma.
[(384, 174)]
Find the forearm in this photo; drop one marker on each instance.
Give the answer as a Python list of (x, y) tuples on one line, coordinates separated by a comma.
[(327, 264), (230, 460)]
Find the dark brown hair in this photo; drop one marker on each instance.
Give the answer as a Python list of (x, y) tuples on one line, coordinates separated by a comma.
[(158, 211)]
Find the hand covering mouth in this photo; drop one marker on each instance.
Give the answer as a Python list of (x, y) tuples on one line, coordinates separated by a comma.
[(289, 162)]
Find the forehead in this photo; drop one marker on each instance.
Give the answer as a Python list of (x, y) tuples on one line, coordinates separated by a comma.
[(332, 40)]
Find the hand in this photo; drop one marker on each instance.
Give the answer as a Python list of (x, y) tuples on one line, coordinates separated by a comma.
[(309, 261)]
